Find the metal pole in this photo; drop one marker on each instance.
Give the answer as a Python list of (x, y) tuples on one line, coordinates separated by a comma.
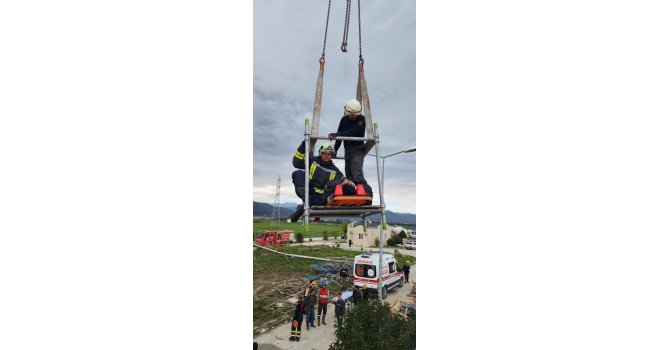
[(382, 224), (383, 166), (308, 154)]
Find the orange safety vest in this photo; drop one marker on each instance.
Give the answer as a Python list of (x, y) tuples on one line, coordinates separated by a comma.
[(323, 295)]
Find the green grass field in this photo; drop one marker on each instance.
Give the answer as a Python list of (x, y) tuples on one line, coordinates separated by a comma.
[(315, 229), (268, 266)]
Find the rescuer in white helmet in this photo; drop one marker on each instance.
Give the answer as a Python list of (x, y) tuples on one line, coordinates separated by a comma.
[(352, 124)]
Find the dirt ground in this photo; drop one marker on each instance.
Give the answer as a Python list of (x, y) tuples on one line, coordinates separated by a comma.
[(320, 338)]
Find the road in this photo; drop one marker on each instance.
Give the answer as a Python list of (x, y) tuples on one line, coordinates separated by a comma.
[(320, 338)]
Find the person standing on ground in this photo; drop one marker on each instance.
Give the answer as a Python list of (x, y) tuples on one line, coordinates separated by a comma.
[(339, 309), (405, 270), (310, 303), (324, 296), (364, 293), (296, 324), (310, 285), (357, 295), (350, 242), (352, 124), (343, 275)]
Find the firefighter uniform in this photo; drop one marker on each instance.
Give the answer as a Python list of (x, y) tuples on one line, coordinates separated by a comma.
[(296, 324), (323, 177)]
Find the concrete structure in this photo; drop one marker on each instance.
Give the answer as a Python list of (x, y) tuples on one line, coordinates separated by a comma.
[(360, 236)]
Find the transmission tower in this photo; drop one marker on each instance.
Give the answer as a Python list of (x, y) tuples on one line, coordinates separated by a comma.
[(276, 211)]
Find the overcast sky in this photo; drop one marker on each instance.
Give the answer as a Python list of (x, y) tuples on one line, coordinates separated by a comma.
[(287, 42), (125, 137)]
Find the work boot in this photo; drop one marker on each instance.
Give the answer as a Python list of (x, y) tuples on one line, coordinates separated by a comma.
[(324, 320), (318, 320), (298, 213), (292, 338), (308, 326)]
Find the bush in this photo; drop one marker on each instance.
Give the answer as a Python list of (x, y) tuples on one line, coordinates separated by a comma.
[(402, 234), (299, 238), (376, 242), (391, 240), (394, 240), (325, 235), (372, 325)]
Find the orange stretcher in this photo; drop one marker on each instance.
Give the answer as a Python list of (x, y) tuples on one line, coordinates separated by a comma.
[(339, 199)]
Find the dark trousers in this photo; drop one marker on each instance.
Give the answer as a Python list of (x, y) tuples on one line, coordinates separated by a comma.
[(323, 307), (298, 177), (310, 316), (295, 331), (353, 164), (406, 277)]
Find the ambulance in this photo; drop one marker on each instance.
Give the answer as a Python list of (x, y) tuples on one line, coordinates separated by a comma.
[(366, 273)]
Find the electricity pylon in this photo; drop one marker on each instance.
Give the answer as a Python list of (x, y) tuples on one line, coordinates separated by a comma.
[(276, 211)]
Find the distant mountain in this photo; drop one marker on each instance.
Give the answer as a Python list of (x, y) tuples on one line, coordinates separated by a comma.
[(289, 205), (265, 209)]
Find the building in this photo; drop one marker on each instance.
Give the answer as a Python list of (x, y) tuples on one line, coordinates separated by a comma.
[(362, 236)]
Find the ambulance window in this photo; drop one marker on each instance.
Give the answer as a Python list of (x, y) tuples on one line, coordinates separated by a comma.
[(391, 267), (371, 271), (364, 270)]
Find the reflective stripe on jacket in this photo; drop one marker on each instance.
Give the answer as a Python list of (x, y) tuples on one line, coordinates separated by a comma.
[(323, 177)]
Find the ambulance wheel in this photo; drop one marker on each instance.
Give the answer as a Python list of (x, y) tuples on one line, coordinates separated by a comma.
[(384, 292), (270, 244), (402, 281)]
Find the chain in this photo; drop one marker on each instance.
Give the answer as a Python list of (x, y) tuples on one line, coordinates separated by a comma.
[(345, 34), (360, 49), (323, 53)]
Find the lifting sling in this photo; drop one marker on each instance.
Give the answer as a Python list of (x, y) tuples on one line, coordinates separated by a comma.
[(338, 204)]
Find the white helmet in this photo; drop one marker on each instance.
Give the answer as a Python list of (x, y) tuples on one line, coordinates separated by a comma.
[(353, 106), (327, 148)]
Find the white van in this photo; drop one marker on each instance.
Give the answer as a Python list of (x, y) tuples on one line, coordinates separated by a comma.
[(366, 267)]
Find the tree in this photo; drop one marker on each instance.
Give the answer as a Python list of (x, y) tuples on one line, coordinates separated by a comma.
[(299, 238), (372, 325), (394, 240), (345, 228)]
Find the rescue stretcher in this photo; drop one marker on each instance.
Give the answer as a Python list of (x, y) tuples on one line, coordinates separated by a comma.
[(339, 199)]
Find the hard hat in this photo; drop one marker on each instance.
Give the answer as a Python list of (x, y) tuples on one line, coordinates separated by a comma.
[(324, 283), (327, 148), (313, 283), (353, 106)]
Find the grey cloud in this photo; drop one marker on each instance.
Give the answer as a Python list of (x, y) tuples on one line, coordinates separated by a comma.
[(288, 39)]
